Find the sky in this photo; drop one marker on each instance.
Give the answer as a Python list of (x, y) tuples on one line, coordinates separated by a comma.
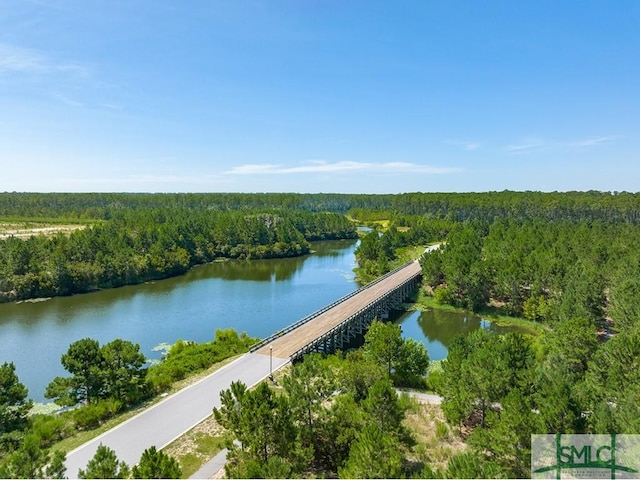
[(346, 96)]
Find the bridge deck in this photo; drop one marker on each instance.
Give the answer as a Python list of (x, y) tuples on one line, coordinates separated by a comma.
[(288, 344)]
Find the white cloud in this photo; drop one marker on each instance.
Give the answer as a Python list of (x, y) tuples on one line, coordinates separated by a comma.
[(589, 142), (523, 147), (532, 144), (67, 100), (25, 60), (318, 166)]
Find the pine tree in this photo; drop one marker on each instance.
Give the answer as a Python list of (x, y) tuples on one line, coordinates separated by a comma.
[(104, 464)]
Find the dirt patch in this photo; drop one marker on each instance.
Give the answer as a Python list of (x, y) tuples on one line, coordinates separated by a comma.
[(197, 446), (25, 231), (189, 444)]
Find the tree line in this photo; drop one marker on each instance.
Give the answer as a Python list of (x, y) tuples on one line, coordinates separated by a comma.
[(458, 207), (138, 245), (578, 276), (544, 271), (580, 280)]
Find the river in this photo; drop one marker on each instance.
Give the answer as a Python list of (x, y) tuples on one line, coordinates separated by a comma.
[(257, 297)]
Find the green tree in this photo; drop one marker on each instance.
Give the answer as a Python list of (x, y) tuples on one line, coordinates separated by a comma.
[(507, 438), (122, 372), (571, 346), (374, 454), (342, 424), (414, 363), (263, 424), (611, 384), (156, 464), (475, 376), (104, 464), (56, 467), (383, 408), (472, 465), (557, 400), (27, 461), (383, 342), (624, 307), (14, 407), (307, 386), (405, 360), (85, 362), (462, 267), (358, 372)]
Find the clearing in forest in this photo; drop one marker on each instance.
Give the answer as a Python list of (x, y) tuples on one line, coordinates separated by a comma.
[(25, 230)]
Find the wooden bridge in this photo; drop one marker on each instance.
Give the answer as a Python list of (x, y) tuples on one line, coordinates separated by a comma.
[(334, 326)]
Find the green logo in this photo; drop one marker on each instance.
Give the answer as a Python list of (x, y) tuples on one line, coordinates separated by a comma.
[(585, 456)]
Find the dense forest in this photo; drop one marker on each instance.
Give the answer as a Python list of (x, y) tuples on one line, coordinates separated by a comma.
[(459, 207), (136, 245), (567, 262)]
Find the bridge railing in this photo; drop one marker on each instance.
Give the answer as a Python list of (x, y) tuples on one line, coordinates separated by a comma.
[(324, 309), (350, 318)]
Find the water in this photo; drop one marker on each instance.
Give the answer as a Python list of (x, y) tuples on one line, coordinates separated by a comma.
[(257, 297), (436, 328)]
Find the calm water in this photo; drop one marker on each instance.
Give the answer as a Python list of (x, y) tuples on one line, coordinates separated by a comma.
[(436, 328), (257, 297)]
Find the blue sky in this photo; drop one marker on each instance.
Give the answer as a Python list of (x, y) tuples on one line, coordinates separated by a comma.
[(319, 95)]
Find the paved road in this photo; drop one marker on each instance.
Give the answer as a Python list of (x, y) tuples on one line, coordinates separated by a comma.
[(422, 397), (167, 420)]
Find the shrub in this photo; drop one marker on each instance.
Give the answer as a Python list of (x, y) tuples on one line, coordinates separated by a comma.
[(92, 415), (50, 428)]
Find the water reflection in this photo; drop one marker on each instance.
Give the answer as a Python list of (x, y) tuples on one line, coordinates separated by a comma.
[(258, 297), (436, 328)]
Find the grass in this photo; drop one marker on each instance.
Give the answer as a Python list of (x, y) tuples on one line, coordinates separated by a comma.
[(197, 446), (436, 442), (80, 438), (407, 254)]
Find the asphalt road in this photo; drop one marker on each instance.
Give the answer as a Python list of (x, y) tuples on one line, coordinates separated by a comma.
[(167, 420)]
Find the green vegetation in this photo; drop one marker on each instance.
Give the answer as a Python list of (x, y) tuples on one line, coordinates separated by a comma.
[(330, 417), (113, 371), (152, 464), (156, 464), (565, 263), (105, 381), (187, 358), (615, 207), (136, 245), (14, 407)]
